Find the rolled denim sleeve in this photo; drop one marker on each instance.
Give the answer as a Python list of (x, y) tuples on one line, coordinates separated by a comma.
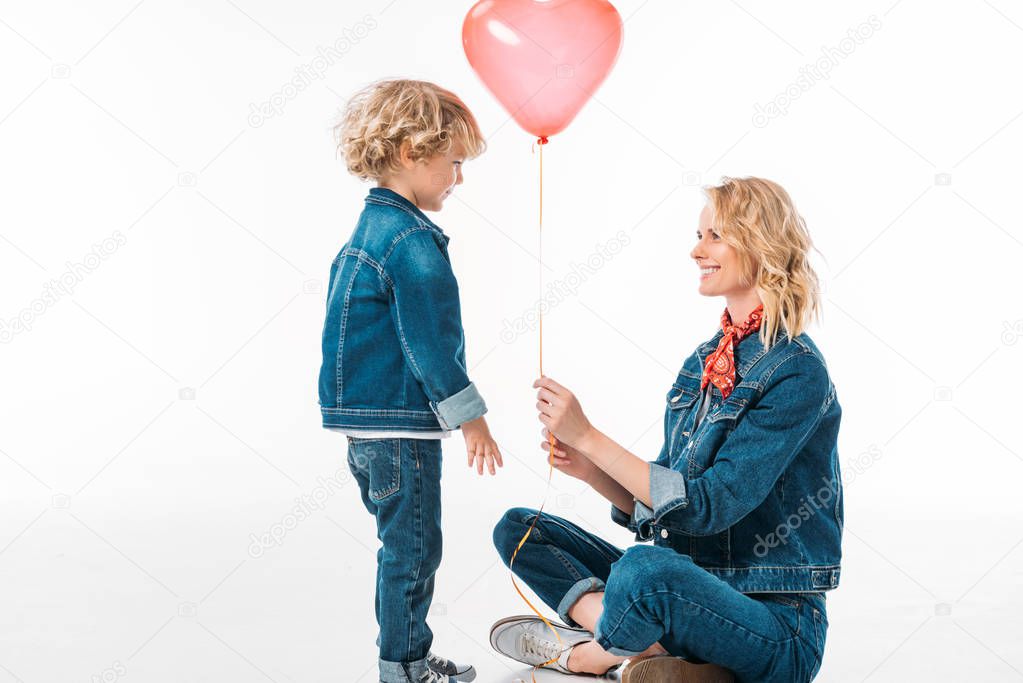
[(639, 522), (621, 517), (756, 452), (633, 522), (427, 317), (667, 490), (667, 493)]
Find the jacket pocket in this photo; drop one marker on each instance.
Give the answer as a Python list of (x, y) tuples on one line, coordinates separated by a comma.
[(720, 421), (681, 397), (379, 460), (680, 403)]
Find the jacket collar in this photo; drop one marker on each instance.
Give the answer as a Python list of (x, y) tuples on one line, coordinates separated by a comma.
[(388, 197)]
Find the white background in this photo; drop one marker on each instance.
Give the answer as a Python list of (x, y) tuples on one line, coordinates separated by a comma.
[(164, 410)]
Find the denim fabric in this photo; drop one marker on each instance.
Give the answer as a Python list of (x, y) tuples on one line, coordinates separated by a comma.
[(753, 493), (559, 561), (400, 484), (393, 346), (657, 595)]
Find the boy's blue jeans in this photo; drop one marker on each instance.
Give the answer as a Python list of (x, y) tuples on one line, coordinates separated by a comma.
[(657, 595), (400, 484)]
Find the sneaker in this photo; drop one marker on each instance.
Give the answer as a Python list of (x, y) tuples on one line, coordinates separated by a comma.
[(667, 669), (425, 675), (455, 672), (528, 640)]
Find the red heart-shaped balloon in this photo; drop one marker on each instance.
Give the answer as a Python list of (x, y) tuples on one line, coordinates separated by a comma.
[(542, 59)]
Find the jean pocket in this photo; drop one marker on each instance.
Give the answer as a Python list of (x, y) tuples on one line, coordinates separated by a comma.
[(783, 599), (820, 629), (786, 609), (379, 460)]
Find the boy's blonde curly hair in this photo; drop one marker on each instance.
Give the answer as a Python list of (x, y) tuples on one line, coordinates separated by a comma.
[(380, 117)]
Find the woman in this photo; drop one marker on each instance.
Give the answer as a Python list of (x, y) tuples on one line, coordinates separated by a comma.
[(743, 503)]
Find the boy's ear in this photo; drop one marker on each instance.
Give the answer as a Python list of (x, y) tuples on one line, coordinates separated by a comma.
[(405, 155)]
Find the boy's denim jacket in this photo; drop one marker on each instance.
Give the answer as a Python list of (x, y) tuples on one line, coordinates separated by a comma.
[(754, 494), (393, 346)]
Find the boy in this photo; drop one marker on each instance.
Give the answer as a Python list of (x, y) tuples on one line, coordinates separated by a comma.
[(393, 377)]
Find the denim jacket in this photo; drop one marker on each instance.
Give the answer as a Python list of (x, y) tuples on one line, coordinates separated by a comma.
[(393, 345), (753, 493)]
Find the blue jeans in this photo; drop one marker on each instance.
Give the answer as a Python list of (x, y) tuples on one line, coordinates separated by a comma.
[(400, 484), (657, 595)]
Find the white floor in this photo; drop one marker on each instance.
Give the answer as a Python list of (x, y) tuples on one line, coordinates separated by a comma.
[(144, 591)]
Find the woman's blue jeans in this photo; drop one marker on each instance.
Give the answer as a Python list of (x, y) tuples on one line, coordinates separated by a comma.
[(656, 595), (400, 484)]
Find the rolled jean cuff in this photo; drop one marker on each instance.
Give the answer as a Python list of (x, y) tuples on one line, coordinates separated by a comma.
[(399, 672), (465, 406), (579, 589), (605, 643)]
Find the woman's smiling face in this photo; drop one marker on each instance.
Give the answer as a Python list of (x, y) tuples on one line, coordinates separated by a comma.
[(721, 259)]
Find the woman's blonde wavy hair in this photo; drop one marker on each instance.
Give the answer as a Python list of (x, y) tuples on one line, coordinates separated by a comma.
[(379, 118), (758, 218)]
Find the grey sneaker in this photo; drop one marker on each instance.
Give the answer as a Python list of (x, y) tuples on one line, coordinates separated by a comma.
[(414, 673), (455, 672), (528, 640)]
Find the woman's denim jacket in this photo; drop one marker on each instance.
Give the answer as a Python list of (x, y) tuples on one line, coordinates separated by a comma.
[(393, 346), (754, 493)]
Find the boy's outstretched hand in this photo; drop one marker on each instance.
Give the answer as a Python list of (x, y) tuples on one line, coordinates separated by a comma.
[(480, 445)]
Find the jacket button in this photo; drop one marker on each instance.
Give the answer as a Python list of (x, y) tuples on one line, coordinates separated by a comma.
[(674, 399), (664, 533)]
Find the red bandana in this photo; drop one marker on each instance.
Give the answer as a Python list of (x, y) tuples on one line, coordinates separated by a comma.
[(720, 366)]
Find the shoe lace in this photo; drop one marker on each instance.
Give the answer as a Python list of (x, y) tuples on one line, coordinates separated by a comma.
[(540, 647), (438, 661)]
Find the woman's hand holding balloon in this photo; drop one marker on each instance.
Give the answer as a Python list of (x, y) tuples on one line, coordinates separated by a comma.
[(567, 459), (561, 413)]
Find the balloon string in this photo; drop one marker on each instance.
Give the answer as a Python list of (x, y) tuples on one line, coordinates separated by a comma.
[(550, 441), (541, 142)]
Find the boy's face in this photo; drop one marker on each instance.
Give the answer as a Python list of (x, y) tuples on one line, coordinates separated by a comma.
[(433, 180)]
